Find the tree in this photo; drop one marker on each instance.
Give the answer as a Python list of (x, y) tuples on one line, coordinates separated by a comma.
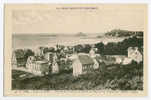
[(100, 47), (86, 48), (50, 49), (27, 53), (78, 48)]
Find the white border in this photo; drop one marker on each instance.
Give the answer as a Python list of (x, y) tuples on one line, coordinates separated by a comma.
[(74, 1), (1, 50)]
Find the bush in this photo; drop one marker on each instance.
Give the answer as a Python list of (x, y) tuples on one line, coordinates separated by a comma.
[(127, 77)]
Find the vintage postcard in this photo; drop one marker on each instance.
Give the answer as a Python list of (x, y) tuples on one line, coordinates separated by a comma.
[(75, 50)]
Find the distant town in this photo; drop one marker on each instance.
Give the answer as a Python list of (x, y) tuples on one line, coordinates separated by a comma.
[(116, 66)]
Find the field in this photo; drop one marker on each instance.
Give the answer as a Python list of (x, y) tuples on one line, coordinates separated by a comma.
[(113, 77)]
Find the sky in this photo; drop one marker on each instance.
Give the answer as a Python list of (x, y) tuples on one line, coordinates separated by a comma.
[(54, 19)]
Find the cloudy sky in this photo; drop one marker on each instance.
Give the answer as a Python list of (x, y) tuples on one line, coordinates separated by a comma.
[(99, 20)]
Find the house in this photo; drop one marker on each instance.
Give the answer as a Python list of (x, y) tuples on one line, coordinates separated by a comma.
[(18, 58), (118, 58), (48, 56), (113, 59), (82, 63), (37, 67), (93, 55), (39, 51), (52, 59), (30, 62), (54, 64), (135, 54)]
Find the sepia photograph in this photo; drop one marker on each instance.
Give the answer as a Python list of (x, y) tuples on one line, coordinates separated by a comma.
[(68, 48)]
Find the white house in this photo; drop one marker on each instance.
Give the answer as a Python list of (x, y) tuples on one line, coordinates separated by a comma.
[(48, 56), (93, 55), (52, 59), (118, 58), (18, 59), (39, 51), (37, 67), (135, 54), (83, 63)]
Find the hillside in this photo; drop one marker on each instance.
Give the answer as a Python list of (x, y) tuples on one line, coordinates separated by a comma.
[(123, 33)]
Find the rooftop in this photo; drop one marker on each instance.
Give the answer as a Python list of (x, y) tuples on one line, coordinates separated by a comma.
[(85, 59), (41, 62)]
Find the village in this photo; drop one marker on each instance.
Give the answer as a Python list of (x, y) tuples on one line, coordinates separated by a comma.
[(81, 63)]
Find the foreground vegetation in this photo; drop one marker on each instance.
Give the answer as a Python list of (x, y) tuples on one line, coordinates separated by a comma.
[(114, 77)]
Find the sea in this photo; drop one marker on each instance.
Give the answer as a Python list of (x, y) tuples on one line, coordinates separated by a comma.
[(30, 41)]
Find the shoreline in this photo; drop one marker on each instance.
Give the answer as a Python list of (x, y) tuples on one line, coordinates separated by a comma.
[(79, 41)]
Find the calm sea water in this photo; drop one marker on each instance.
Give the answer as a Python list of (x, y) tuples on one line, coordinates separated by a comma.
[(34, 41)]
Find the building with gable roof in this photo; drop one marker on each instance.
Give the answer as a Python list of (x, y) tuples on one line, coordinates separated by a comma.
[(37, 67), (82, 64), (18, 58)]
